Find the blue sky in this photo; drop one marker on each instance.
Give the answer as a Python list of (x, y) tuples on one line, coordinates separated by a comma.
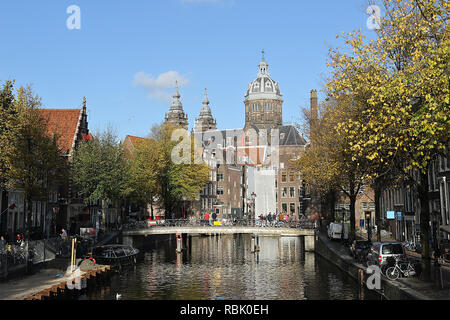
[(126, 55)]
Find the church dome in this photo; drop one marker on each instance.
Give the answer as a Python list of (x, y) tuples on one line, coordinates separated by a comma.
[(263, 87)]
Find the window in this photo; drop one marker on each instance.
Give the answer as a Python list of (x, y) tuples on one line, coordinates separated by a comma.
[(219, 191), (364, 205), (284, 192), (291, 177), (291, 192), (220, 177), (292, 208), (283, 178), (276, 183)]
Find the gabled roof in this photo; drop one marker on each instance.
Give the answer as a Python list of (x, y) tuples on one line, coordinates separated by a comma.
[(129, 143), (134, 139), (64, 124)]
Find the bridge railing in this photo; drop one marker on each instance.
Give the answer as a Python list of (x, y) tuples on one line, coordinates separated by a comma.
[(262, 223)]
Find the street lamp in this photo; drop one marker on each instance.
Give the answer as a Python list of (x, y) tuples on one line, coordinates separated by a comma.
[(253, 195), (184, 198), (369, 227)]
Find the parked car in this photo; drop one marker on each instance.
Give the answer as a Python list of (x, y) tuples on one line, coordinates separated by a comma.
[(380, 252), (335, 231), (360, 249)]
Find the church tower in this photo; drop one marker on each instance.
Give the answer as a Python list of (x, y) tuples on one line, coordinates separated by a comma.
[(176, 116), (263, 100), (205, 121)]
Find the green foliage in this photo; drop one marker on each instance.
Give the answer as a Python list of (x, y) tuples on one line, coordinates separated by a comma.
[(98, 171), (31, 157), (153, 176)]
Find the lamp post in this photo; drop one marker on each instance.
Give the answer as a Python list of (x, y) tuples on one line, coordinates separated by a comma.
[(369, 227), (253, 195), (184, 198)]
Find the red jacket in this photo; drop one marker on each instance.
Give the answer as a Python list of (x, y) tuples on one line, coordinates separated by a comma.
[(207, 216)]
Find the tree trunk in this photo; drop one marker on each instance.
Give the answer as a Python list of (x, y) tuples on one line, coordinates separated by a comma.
[(27, 236), (352, 235), (151, 210), (424, 225), (377, 196)]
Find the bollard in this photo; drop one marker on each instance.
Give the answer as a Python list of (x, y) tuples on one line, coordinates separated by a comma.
[(252, 245), (257, 244), (179, 242)]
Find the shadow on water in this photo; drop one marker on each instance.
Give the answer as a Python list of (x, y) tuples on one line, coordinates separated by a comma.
[(223, 267)]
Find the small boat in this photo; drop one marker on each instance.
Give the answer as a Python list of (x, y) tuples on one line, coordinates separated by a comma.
[(115, 254)]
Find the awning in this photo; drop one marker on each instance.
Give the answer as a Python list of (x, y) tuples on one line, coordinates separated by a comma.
[(445, 228)]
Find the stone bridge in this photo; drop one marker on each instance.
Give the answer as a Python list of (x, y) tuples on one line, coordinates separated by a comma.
[(307, 234)]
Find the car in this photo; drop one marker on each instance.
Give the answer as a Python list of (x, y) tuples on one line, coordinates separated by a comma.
[(335, 231), (380, 252), (359, 249)]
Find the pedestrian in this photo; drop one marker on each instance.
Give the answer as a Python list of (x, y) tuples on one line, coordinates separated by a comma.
[(207, 218), (2, 242), (214, 216), (63, 234)]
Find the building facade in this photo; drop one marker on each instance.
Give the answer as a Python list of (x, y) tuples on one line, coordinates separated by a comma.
[(255, 160)]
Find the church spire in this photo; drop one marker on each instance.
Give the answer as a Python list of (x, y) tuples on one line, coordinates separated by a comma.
[(176, 115), (263, 67), (205, 121)]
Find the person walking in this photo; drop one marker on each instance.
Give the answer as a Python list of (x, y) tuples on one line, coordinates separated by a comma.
[(269, 219), (2, 243), (207, 218), (214, 216), (63, 234)]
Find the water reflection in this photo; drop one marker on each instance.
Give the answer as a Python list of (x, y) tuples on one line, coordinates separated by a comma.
[(223, 267)]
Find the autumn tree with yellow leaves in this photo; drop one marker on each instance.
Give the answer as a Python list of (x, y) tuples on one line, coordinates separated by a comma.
[(156, 176), (399, 84)]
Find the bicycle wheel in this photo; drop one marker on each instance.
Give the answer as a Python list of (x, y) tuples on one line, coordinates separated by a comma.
[(392, 273)]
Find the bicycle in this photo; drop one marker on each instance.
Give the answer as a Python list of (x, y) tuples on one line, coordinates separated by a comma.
[(401, 267)]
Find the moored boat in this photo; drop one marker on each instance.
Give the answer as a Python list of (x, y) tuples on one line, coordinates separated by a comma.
[(115, 254)]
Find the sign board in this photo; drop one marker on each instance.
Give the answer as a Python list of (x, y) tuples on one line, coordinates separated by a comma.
[(151, 223), (390, 215), (217, 223)]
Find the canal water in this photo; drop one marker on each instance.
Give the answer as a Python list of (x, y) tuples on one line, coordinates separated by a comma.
[(223, 267)]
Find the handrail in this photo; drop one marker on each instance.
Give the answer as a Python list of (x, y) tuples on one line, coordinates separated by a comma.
[(300, 224)]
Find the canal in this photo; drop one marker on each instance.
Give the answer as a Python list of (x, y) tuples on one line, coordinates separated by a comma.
[(223, 267)]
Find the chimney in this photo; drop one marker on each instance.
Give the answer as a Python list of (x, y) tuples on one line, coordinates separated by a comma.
[(313, 116), (314, 106)]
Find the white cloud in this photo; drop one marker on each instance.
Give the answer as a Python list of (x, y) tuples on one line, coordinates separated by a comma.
[(161, 87)]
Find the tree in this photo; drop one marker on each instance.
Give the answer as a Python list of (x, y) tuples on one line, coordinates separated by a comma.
[(141, 177), (7, 114), (400, 82), (31, 158), (154, 174), (329, 164), (98, 170)]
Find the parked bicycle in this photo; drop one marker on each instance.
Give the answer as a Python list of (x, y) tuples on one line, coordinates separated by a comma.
[(401, 267)]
